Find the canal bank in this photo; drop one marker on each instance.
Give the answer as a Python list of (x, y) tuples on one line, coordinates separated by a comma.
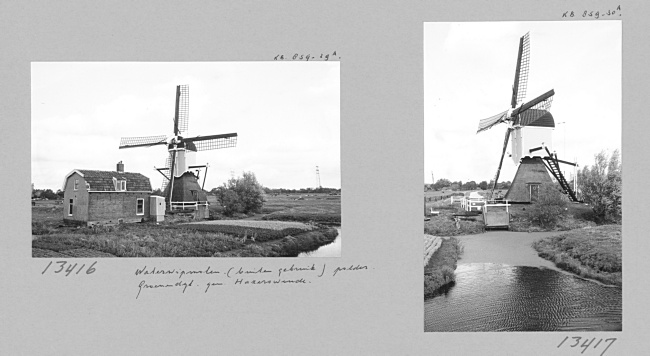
[(332, 249), (502, 285)]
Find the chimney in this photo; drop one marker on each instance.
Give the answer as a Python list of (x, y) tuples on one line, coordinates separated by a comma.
[(120, 167)]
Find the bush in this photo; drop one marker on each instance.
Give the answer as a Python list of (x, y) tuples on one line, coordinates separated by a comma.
[(549, 208), (241, 195)]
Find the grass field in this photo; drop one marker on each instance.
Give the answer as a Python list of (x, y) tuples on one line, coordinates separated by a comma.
[(320, 208), (250, 236), (594, 252)]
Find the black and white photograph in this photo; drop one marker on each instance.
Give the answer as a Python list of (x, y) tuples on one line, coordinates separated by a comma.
[(522, 176), (179, 176), (185, 159)]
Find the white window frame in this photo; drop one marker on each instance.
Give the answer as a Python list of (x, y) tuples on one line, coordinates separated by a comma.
[(120, 185), (136, 206), (76, 184), (70, 205)]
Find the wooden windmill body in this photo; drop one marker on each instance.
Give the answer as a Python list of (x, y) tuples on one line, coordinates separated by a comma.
[(181, 186), (530, 128)]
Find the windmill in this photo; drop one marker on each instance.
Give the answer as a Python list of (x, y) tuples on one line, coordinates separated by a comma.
[(181, 186), (529, 127)]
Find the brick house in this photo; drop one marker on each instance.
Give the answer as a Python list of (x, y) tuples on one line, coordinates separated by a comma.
[(92, 197)]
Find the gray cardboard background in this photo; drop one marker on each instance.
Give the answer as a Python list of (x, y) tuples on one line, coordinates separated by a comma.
[(378, 312)]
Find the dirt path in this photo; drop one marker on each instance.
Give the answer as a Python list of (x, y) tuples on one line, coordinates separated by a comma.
[(505, 247)]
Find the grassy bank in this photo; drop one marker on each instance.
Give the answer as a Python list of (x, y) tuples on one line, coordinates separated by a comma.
[(439, 272), (140, 240), (593, 252), (288, 246)]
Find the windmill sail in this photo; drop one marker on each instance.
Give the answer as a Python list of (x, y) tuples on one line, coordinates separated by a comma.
[(182, 109), (521, 73), (491, 121), (503, 153), (213, 142), (167, 169), (129, 142)]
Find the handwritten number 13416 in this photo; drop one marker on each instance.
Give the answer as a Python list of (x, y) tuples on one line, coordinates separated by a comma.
[(69, 268), (586, 343)]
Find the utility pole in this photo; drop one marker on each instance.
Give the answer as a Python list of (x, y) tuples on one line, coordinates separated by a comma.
[(318, 176)]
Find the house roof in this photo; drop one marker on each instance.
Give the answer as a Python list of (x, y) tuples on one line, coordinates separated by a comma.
[(103, 180)]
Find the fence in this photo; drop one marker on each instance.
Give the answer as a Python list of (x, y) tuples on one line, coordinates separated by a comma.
[(472, 203), (494, 205), (180, 205)]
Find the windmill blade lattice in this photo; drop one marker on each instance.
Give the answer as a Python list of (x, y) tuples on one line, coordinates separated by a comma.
[(168, 165), (491, 121), (211, 142), (183, 108), (521, 73), (128, 142)]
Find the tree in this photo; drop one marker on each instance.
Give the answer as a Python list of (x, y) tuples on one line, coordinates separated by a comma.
[(600, 186), (49, 194), (241, 195), (471, 185), (483, 185), (441, 183)]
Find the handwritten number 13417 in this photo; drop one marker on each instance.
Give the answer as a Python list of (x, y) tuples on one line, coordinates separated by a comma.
[(69, 268), (586, 343)]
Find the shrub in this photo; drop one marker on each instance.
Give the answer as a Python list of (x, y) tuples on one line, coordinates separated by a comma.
[(241, 195), (549, 208)]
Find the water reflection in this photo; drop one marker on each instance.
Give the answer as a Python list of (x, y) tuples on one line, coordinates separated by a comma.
[(332, 249), (495, 297)]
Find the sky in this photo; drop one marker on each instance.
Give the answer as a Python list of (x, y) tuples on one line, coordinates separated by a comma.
[(286, 115), (469, 70)]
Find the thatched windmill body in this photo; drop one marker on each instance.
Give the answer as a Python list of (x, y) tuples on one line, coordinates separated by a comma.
[(529, 127), (180, 186)]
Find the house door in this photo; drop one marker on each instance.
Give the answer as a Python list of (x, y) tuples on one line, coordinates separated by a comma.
[(534, 192)]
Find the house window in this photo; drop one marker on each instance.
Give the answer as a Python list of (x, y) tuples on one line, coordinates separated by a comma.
[(139, 210), (76, 184), (87, 186), (70, 207), (120, 185)]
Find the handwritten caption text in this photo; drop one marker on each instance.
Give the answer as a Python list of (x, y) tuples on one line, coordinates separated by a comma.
[(205, 279)]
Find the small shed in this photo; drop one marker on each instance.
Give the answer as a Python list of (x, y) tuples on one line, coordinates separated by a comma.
[(91, 197)]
